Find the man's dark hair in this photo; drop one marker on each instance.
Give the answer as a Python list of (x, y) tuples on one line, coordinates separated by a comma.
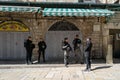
[(77, 35), (29, 37), (89, 39), (65, 38)]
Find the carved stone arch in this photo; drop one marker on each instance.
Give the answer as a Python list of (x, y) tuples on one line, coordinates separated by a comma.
[(13, 33), (16, 26), (52, 23), (62, 26), (77, 23), (55, 35), (29, 24)]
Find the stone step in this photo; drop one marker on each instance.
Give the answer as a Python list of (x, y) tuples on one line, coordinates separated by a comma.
[(12, 65)]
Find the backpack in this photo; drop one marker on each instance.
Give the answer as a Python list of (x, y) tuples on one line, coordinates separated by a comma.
[(25, 43)]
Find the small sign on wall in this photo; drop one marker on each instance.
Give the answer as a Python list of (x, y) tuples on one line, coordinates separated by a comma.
[(89, 1), (96, 27)]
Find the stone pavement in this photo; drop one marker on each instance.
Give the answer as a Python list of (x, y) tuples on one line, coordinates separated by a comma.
[(59, 72)]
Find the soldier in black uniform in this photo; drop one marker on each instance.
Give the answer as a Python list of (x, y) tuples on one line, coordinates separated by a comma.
[(77, 50), (87, 54), (66, 48), (29, 48), (42, 46)]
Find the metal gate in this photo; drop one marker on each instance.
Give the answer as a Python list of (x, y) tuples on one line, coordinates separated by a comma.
[(12, 45), (54, 43)]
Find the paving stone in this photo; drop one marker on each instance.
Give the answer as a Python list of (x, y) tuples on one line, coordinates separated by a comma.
[(73, 72), (50, 74), (99, 79)]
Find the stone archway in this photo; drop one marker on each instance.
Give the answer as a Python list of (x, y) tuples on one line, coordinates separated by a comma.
[(12, 35), (63, 26), (54, 37)]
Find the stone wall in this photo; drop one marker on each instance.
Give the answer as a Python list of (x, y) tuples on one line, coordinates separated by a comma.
[(39, 27), (113, 23), (85, 27)]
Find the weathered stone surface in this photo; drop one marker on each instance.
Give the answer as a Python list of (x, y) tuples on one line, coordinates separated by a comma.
[(40, 25)]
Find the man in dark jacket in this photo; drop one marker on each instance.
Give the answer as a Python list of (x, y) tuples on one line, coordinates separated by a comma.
[(29, 48), (77, 50), (42, 46), (66, 48), (87, 54)]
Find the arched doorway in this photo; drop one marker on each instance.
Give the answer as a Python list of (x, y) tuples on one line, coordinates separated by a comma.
[(12, 35), (56, 33), (115, 42)]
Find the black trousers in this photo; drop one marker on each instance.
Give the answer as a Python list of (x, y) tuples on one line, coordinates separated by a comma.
[(43, 55), (29, 56), (87, 59)]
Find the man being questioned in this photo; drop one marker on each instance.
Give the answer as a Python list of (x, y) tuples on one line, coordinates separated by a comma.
[(88, 54), (29, 49), (66, 49), (77, 50), (42, 46)]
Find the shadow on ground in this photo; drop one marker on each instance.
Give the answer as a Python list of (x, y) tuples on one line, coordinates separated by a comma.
[(93, 61), (100, 67)]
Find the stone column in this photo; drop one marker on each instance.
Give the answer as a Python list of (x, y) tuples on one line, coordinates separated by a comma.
[(109, 56)]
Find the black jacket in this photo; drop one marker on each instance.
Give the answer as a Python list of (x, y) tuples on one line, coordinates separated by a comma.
[(88, 46), (42, 45), (29, 45), (76, 43), (66, 46)]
